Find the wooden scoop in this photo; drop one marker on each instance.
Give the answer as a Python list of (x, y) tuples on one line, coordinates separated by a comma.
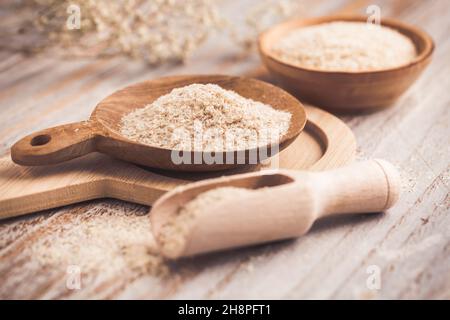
[(102, 131), (284, 205)]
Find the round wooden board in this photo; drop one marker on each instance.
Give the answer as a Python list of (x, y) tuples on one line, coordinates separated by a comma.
[(325, 143)]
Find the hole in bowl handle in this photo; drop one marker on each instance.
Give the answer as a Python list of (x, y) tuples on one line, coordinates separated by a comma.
[(55, 145)]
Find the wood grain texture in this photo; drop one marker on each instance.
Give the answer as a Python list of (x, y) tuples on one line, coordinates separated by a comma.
[(326, 143), (410, 244)]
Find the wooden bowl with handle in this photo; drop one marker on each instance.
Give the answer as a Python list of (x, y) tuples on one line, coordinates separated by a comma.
[(345, 91), (102, 131)]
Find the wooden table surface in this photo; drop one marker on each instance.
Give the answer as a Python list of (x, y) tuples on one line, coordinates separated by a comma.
[(409, 245)]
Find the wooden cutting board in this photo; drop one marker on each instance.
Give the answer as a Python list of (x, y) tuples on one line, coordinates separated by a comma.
[(325, 143)]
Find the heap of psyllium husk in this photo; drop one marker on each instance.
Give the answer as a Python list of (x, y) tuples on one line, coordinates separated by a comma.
[(345, 46), (173, 234), (209, 114), (102, 240)]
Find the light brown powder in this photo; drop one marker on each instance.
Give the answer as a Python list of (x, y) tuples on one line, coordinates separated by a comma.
[(102, 240), (205, 117), (173, 235), (345, 46)]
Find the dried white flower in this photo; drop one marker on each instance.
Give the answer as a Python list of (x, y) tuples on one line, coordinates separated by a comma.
[(156, 31)]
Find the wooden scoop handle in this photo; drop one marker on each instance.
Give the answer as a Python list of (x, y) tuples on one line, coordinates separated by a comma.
[(55, 145), (369, 186)]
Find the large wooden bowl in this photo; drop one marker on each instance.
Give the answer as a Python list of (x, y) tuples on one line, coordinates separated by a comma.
[(346, 91)]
